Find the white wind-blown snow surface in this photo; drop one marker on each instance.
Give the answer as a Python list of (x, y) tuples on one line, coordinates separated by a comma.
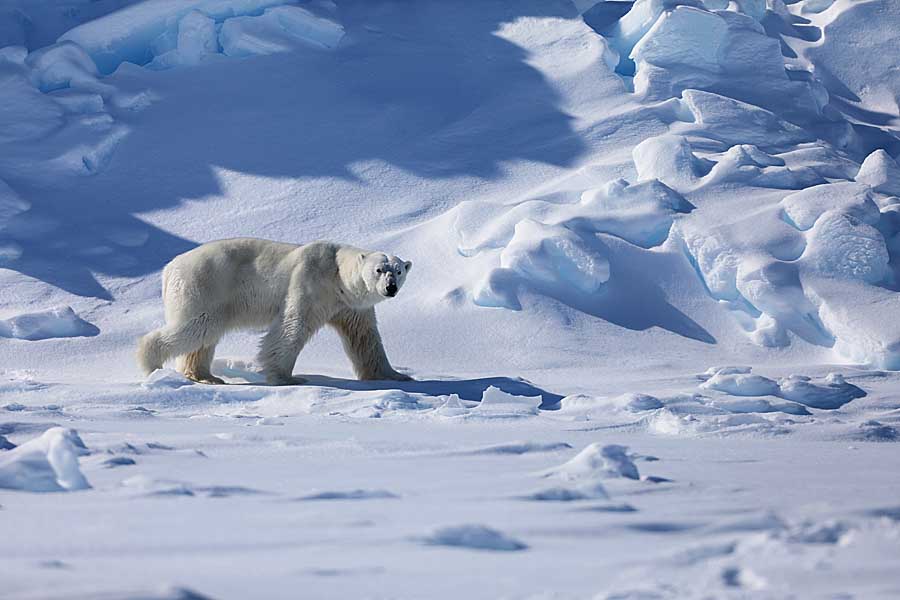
[(653, 317)]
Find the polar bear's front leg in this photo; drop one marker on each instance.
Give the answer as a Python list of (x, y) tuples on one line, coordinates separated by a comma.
[(362, 343), (283, 342)]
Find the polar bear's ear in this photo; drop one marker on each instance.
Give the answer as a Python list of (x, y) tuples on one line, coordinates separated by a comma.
[(408, 265), (362, 257)]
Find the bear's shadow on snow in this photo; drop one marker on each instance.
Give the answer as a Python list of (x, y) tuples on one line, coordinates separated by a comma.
[(427, 89), (466, 389)]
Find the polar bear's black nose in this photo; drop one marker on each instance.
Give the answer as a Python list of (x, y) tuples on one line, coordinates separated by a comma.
[(391, 289)]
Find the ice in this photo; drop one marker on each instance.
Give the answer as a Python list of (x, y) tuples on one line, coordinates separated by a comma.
[(741, 384), (881, 173), (554, 256), (839, 245), (140, 32), (832, 393), (804, 208), (279, 29), (669, 159), (48, 463), (197, 38), (735, 122), (495, 403), (55, 323), (60, 66), (476, 537)]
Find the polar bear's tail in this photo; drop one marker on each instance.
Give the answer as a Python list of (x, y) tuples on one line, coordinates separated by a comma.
[(151, 354)]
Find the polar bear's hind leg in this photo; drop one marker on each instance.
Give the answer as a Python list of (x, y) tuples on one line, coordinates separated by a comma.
[(197, 366), (158, 346)]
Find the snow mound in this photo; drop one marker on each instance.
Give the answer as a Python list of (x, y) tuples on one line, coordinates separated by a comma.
[(495, 403), (597, 461), (546, 257), (171, 33), (881, 172), (166, 379), (832, 393), (802, 209), (55, 323), (476, 537), (669, 159), (5, 444), (48, 463)]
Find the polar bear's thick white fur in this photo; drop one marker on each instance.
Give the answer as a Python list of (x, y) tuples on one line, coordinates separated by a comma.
[(294, 290)]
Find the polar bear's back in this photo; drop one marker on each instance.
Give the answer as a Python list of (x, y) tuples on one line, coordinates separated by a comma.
[(222, 276)]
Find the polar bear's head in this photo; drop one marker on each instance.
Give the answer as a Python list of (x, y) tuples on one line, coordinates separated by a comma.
[(384, 274)]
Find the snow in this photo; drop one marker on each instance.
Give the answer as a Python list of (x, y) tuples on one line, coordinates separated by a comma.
[(55, 323), (652, 323), (48, 463)]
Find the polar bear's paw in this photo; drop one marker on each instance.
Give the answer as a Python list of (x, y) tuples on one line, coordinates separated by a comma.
[(207, 379), (394, 376)]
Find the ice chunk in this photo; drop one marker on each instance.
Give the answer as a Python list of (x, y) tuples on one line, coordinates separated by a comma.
[(137, 33), (734, 122), (723, 51), (803, 208), (833, 393), (840, 245), (478, 537), (197, 38), (279, 29), (669, 159), (741, 384), (61, 65), (554, 256), (497, 403), (55, 323), (881, 172), (48, 463)]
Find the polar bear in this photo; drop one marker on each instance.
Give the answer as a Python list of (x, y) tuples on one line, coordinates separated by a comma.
[(294, 290)]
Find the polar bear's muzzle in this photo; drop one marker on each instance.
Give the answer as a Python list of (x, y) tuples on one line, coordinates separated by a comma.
[(390, 289)]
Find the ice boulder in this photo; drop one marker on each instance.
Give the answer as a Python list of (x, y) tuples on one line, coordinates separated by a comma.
[(497, 403), (840, 245), (48, 463), (802, 209), (547, 255), (197, 38), (723, 51), (881, 172), (142, 31), (669, 159), (279, 29), (56, 323), (60, 66)]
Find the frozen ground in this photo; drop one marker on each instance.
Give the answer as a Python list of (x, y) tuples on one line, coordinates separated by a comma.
[(652, 319)]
